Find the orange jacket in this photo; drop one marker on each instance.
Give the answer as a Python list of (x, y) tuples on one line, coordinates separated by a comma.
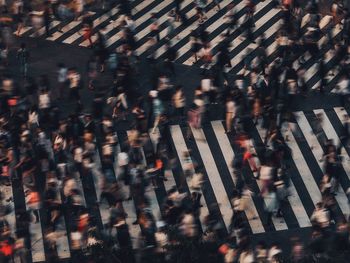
[(34, 198), (159, 164), (6, 249)]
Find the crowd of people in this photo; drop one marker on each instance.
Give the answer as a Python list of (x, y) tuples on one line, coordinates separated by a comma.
[(46, 152)]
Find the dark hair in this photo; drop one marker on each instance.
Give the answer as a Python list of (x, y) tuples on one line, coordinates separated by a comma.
[(178, 87)]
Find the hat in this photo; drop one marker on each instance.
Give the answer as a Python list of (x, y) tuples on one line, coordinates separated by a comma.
[(153, 93)]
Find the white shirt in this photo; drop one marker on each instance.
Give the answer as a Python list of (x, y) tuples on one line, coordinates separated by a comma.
[(266, 172), (123, 158), (76, 240), (231, 107), (206, 84), (246, 257), (78, 155), (44, 101), (130, 24), (321, 216)]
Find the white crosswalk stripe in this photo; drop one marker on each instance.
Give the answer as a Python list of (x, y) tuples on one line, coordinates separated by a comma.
[(150, 192), (301, 164), (212, 172), (293, 198), (139, 9), (298, 136), (211, 28), (215, 25), (279, 223), (181, 148), (318, 152), (255, 223), (104, 22), (170, 182)]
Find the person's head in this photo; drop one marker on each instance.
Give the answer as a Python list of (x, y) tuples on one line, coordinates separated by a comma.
[(319, 205), (261, 245), (178, 87), (186, 154), (88, 117)]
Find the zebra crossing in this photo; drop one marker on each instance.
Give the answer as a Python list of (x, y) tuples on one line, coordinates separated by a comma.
[(214, 150), (267, 21)]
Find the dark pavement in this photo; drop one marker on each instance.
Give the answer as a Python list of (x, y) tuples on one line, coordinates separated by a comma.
[(45, 55)]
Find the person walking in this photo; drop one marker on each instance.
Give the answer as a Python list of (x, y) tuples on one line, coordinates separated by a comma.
[(154, 27), (62, 79), (230, 114), (194, 119), (158, 109), (200, 6), (87, 33), (271, 203), (178, 12), (179, 103), (47, 18), (23, 58), (74, 84), (195, 45)]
